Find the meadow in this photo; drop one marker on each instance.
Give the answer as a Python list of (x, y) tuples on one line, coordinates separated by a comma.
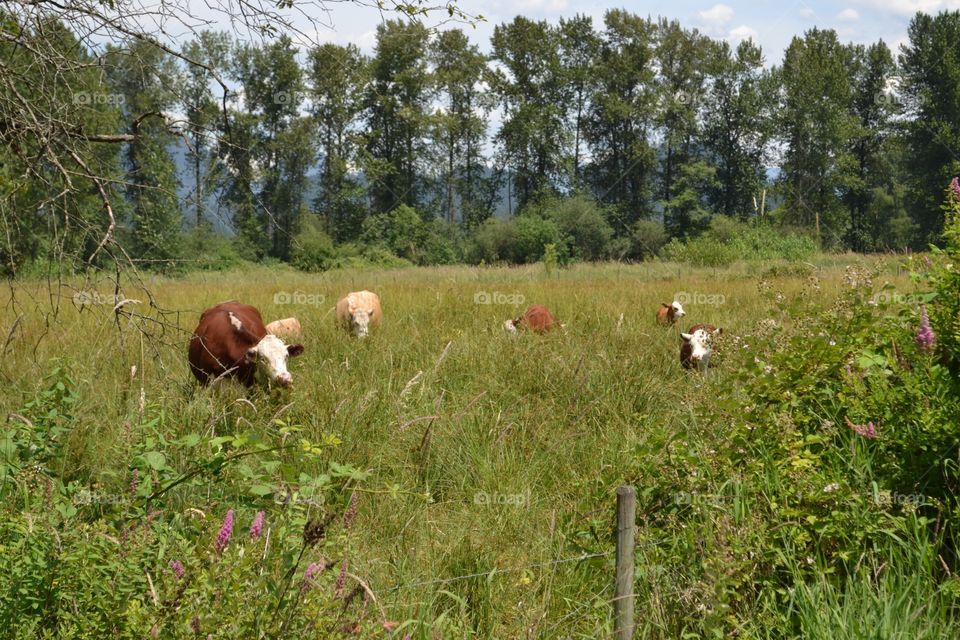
[(484, 465)]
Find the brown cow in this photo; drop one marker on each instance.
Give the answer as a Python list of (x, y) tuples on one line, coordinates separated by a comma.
[(536, 318), (697, 346), (231, 341), (668, 314)]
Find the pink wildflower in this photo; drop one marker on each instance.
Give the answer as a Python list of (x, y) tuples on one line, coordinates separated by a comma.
[(351, 511), (225, 532), (257, 527), (925, 336), (865, 430), (341, 579), (312, 570)]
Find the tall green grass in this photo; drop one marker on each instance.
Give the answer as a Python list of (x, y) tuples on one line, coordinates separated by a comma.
[(488, 454)]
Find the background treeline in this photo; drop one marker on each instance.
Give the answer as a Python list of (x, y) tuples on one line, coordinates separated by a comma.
[(582, 141)]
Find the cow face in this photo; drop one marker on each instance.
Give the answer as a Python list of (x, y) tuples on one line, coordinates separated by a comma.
[(701, 346), (360, 322), (271, 356), (510, 326), (677, 309)]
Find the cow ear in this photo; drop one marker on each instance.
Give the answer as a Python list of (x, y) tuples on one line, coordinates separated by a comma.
[(294, 350), (251, 354), (687, 336)]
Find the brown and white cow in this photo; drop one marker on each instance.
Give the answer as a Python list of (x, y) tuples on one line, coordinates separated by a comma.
[(231, 341), (358, 311), (698, 345), (536, 318), (286, 327), (668, 314)]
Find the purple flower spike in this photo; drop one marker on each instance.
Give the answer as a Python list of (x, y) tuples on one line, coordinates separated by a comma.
[(308, 575), (225, 532), (868, 430), (257, 527), (341, 579), (351, 512), (178, 570), (925, 336), (955, 183)]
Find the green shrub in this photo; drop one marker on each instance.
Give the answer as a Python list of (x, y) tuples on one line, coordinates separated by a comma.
[(584, 226), (312, 249), (708, 252), (494, 241), (210, 250), (170, 550), (533, 234), (647, 239)]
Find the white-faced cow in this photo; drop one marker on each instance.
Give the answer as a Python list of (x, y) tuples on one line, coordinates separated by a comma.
[(698, 346), (286, 327), (668, 314), (358, 312), (536, 318), (231, 341)]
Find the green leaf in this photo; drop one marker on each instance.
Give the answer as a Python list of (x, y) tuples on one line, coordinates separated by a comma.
[(261, 490), (155, 460)]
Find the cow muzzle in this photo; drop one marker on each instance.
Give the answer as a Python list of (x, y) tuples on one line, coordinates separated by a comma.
[(285, 379)]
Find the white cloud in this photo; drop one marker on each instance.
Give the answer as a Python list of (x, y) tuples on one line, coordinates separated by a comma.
[(807, 12), (541, 6), (366, 40), (848, 15), (743, 32), (909, 7), (716, 15)]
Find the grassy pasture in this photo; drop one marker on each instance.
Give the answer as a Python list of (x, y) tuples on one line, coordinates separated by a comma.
[(507, 450)]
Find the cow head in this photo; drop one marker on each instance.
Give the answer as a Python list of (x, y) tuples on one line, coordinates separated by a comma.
[(677, 309), (701, 345), (270, 356), (510, 326), (360, 322)]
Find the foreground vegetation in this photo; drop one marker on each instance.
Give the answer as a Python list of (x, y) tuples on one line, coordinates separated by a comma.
[(444, 479)]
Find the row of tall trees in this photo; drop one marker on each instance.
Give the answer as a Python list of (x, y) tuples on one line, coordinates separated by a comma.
[(651, 120)]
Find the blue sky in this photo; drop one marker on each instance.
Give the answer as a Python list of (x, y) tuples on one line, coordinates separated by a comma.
[(770, 23)]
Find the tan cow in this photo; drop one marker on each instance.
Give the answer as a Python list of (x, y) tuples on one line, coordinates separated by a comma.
[(358, 311), (286, 327)]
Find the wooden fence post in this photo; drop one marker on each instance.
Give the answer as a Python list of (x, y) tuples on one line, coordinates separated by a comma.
[(623, 597)]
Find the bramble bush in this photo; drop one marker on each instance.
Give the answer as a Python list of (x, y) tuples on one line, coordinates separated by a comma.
[(202, 527), (832, 475)]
